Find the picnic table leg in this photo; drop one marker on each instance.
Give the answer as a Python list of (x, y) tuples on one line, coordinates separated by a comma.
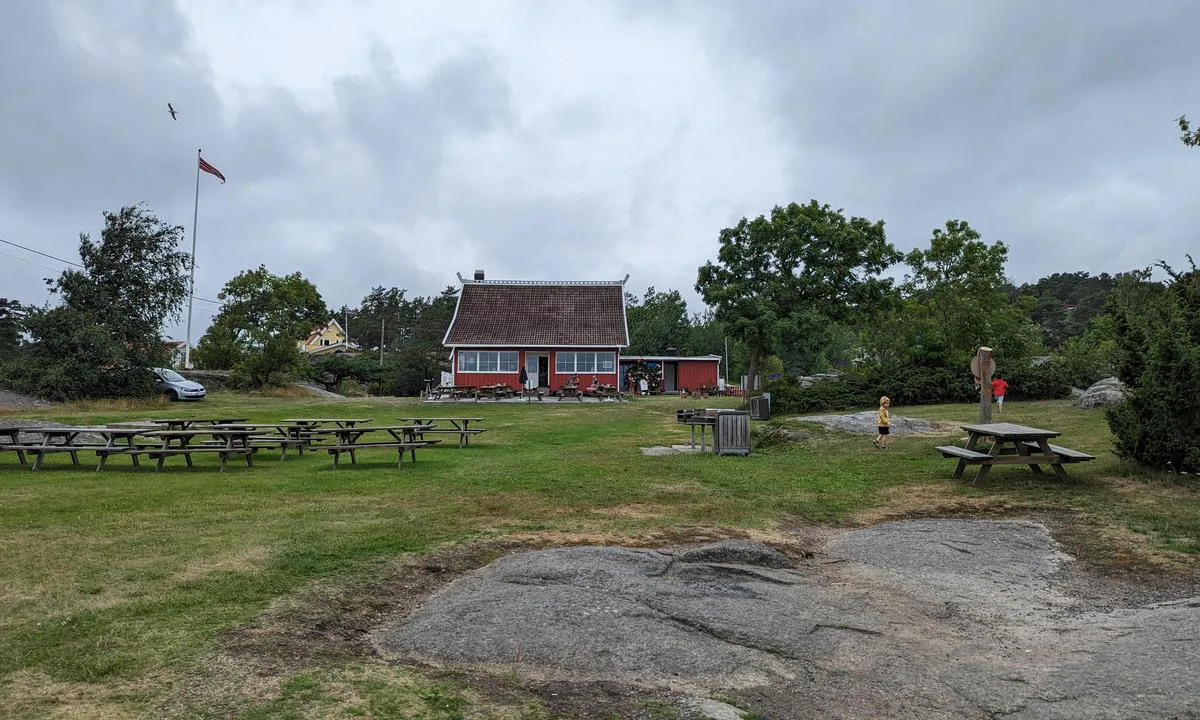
[(1024, 451), (21, 457), (37, 463), (161, 458), (972, 441), (1058, 469), (74, 457), (353, 460), (986, 467), (336, 454)]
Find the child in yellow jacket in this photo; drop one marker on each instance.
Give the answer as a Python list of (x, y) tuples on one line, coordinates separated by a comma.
[(885, 422)]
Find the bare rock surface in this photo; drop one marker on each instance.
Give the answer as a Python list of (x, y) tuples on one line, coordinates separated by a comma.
[(866, 423), (1109, 391), (918, 618), (10, 399)]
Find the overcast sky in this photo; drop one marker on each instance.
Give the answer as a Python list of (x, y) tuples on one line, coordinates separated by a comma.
[(396, 143)]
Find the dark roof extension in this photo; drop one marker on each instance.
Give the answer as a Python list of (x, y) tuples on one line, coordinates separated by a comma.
[(539, 314)]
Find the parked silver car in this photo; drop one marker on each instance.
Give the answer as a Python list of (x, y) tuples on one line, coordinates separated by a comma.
[(176, 386)]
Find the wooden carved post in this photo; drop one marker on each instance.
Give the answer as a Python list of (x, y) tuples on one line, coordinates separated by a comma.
[(983, 367)]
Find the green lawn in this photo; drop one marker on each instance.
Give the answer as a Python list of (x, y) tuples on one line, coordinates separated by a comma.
[(118, 586)]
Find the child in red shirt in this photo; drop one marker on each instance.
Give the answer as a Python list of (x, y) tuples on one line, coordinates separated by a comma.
[(999, 388)]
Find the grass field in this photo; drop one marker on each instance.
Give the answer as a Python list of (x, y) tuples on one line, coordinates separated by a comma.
[(124, 590)]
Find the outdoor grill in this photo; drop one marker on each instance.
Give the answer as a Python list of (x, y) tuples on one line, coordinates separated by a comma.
[(696, 417)]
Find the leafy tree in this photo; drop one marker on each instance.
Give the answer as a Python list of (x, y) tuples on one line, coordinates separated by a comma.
[(1066, 303), (1189, 137), (955, 302), (12, 316), (100, 341), (420, 354), (262, 316), (805, 265), (1157, 332), (657, 322)]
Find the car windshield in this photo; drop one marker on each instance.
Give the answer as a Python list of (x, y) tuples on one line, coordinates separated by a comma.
[(171, 375)]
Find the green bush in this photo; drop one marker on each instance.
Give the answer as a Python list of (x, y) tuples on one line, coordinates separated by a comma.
[(1158, 359), (1047, 381), (910, 385)]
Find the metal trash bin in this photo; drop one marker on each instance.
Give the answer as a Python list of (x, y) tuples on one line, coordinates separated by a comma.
[(731, 434), (760, 408)]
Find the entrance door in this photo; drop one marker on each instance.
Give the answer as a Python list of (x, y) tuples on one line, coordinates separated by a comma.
[(537, 367), (669, 370)]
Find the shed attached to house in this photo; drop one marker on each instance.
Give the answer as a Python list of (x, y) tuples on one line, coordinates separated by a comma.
[(676, 373), (554, 329)]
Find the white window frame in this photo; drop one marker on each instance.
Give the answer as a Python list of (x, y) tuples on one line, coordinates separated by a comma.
[(464, 356), (577, 367)]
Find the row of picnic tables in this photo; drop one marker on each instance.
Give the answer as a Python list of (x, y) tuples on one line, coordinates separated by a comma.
[(159, 438)]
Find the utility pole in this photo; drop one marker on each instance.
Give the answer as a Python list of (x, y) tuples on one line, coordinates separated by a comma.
[(346, 309), (382, 325)]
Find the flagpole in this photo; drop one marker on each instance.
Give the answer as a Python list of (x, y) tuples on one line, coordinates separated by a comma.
[(187, 348)]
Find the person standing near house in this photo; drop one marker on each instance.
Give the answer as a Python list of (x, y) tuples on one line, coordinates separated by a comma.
[(884, 423), (999, 390)]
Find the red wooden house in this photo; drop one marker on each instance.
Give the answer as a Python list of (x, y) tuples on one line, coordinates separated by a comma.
[(555, 329)]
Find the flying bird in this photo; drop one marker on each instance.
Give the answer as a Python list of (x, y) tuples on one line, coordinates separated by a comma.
[(172, 111)]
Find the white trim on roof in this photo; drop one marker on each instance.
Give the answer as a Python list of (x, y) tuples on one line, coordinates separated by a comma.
[(534, 347), (617, 283), (450, 327)]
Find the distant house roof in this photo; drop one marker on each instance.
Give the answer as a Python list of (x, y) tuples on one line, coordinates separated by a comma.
[(539, 314)]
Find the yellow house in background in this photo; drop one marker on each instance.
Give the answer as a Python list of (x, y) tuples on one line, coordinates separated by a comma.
[(330, 339)]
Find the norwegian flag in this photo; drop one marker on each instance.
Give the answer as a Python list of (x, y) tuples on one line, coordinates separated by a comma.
[(210, 169)]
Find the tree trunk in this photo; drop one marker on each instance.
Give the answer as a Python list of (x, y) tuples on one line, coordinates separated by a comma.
[(752, 369)]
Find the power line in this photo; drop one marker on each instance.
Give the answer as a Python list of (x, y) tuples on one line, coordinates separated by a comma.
[(68, 262), (28, 262), (39, 252)]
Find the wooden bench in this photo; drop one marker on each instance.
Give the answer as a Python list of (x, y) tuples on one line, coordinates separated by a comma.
[(337, 450), (284, 444), (962, 453), (131, 450), (161, 454), (1066, 455), (40, 451), (464, 436)]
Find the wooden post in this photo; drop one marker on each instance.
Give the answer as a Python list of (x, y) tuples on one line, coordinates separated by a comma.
[(986, 367)]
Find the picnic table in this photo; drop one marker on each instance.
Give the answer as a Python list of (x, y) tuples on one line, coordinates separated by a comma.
[(282, 435), (1012, 445), (317, 422), (67, 439), (178, 423), (460, 426), (349, 440), (454, 392), (227, 443), (499, 390)]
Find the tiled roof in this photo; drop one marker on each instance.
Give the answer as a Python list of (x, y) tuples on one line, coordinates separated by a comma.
[(539, 314)]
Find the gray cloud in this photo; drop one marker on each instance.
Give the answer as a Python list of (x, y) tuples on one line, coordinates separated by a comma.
[(591, 141)]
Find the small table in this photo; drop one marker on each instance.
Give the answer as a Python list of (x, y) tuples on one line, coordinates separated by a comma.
[(404, 437), (1013, 445)]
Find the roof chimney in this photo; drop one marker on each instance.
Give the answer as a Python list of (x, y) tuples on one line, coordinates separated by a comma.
[(479, 275)]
